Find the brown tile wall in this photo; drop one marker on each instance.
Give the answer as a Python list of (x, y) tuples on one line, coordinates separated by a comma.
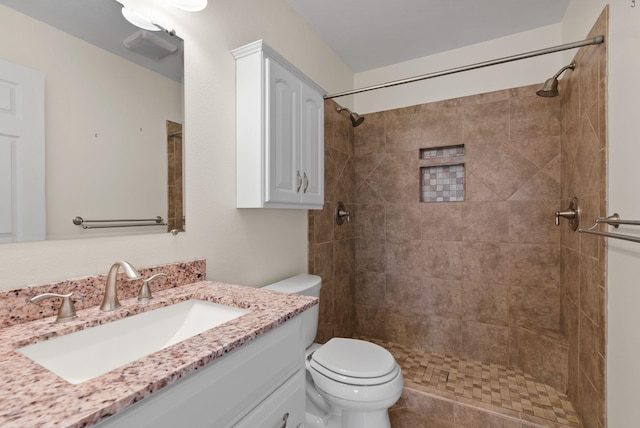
[(332, 247), (460, 278), (583, 257)]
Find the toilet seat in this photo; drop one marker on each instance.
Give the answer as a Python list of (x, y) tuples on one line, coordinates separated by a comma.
[(354, 362)]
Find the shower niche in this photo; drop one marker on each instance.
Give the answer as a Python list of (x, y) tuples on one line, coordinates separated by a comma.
[(442, 174)]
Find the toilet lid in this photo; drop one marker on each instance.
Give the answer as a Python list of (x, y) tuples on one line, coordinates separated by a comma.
[(351, 358)]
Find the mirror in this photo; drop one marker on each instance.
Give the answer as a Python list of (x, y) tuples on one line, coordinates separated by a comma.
[(111, 131)]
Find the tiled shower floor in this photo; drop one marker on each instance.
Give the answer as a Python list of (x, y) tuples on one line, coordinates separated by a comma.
[(489, 386)]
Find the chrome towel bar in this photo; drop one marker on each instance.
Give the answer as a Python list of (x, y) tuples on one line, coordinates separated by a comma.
[(158, 221), (615, 221)]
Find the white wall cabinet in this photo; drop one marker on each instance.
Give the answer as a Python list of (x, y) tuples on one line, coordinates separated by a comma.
[(279, 132)]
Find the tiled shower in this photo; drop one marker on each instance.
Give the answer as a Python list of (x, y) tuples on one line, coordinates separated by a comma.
[(488, 278)]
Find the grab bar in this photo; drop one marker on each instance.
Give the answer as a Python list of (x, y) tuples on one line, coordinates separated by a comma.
[(158, 221), (615, 221)]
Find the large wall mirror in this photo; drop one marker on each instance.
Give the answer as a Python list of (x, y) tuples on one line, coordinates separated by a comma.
[(106, 141)]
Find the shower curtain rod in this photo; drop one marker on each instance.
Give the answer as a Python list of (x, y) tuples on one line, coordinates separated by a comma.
[(593, 41)]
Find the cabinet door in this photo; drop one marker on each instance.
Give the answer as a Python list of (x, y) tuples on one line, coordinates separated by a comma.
[(312, 146), (284, 177)]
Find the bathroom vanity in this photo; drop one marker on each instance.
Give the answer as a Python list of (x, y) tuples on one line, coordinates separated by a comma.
[(244, 373)]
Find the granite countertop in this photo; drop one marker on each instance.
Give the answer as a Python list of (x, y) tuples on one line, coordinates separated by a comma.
[(32, 396)]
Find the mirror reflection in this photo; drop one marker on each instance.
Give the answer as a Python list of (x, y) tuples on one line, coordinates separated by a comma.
[(90, 122)]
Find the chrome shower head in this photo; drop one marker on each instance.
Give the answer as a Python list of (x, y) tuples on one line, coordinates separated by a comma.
[(550, 87), (356, 119)]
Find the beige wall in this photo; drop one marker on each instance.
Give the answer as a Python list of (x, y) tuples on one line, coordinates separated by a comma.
[(241, 246), (519, 73)]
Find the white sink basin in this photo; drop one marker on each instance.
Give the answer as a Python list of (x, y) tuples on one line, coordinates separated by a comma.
[(88, 353)]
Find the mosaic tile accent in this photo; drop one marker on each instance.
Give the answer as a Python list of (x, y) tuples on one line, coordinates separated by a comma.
[(442, 152), (491, 385), (442, 183)]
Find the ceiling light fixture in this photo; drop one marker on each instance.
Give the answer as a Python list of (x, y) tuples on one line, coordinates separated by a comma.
[(138, 20), (190, 5)]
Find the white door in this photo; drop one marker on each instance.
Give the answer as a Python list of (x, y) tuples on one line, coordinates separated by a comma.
[(22, 159), (284, 175)]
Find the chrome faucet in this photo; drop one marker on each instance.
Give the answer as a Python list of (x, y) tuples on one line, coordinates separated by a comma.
[(110, 301)]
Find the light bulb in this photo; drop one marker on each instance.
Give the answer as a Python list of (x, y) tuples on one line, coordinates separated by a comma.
[(190, 5), (138, 20)]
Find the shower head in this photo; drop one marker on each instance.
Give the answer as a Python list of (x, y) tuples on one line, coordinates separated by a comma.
[(356, 119), (550, 87)]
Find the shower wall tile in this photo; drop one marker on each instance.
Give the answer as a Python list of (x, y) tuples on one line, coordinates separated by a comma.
[(503, 170), (402, 221), (442, 259), (583, 257), (535, 128), (531, 222), (370, 287), (405, 257), (371, 135), (542, 187), (485, 262), (370, 255), (474, 337), (485, 302), (539, 307), (534, 265), (484, 221), (544, 357), (477, 191), (331, 247), (369, 221), (441, 222), (415, 295)]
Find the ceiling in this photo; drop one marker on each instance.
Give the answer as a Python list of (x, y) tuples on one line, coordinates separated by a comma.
[(368, 34)]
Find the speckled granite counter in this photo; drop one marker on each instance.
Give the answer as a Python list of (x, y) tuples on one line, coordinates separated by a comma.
[(31, 396)]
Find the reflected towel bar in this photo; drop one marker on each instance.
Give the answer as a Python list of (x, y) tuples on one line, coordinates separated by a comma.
[(615, 221), (158, 221)]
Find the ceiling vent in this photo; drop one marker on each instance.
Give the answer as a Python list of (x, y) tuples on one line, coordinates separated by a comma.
[(149, 44)]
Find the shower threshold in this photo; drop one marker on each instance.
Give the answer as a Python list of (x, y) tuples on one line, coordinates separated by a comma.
[(467, 393)]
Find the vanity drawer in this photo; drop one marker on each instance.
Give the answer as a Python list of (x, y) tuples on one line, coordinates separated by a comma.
[(283, 408), (223, 392)]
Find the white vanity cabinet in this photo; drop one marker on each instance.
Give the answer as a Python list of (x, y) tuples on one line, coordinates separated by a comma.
[(279, 132), (261, 384)]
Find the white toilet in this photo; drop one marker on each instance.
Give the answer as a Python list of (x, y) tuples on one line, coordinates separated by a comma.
[(350, 383)]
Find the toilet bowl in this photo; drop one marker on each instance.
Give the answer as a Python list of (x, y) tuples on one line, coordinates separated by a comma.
[(350, 383)]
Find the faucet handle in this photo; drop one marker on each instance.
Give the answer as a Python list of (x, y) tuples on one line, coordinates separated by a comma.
[(66, 312), (145, 291)]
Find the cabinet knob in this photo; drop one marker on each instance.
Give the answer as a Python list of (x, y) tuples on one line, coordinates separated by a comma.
[(299, 182)]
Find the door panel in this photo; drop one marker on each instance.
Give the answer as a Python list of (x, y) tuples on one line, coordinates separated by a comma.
[(283, 156), (22, 155)]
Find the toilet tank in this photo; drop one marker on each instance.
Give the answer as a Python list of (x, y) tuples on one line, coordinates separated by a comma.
[(306, 285)]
